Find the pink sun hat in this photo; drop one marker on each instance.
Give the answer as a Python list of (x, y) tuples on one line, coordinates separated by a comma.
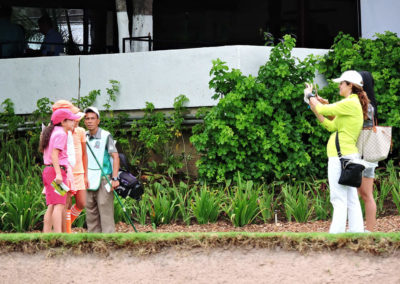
[(61, 114)]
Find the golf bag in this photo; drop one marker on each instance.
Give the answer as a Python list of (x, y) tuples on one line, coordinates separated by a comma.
[(129, 185)]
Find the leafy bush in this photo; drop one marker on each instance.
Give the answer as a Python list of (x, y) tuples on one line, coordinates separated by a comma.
[(261, 126), (159, 133), (381, 57), (9, 119)]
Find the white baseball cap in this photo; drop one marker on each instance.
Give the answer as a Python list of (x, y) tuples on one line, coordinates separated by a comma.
[(95, 110), (350, 76)]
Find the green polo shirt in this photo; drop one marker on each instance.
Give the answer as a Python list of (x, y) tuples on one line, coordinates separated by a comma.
[(348, 122)]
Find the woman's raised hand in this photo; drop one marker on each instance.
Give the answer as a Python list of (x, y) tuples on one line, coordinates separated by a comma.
[(307, 91)]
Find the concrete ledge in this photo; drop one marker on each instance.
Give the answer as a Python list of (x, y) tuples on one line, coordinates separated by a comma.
[(157, 76), (25, 80)]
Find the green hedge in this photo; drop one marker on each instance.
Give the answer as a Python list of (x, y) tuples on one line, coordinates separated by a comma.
[(22, 205), (262, 128), (381, 57)]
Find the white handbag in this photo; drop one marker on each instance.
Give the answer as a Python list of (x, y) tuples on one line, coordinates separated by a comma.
[(374, 143)]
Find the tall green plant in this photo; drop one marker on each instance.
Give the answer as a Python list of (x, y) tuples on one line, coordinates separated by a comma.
[(184, 195), (321, 199), (268, 203), (206, 206), (22, 205), (119, 215), (394, 182), (385, 188), (297, 203), (163, 209), (243, 208), (142, 209)]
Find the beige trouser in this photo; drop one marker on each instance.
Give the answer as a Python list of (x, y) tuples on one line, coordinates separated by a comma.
[(100, 210)]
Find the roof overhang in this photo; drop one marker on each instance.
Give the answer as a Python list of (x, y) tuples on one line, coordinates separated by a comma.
[(62, 4)]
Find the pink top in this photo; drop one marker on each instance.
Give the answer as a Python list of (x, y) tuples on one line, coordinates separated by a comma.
[(58, 140)]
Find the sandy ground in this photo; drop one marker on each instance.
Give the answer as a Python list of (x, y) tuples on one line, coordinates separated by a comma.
[(202, 266)]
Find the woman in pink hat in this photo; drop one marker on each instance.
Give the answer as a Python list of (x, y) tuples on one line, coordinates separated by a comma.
[(78, 174), (53, 144)]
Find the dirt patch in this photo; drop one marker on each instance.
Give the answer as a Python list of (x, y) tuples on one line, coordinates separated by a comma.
[(386, 224), (202, 266)]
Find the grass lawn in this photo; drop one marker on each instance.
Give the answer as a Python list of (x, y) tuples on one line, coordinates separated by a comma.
[(145, 243)]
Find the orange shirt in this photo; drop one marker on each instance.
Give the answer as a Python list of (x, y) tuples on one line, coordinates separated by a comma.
[(79, 135)]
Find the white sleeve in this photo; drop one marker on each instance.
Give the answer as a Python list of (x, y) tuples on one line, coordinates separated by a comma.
[(71, 150)]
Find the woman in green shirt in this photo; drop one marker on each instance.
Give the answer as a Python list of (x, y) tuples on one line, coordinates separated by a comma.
[(348, 116)]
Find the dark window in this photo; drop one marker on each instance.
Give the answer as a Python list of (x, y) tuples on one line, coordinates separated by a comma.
[(315, 23)]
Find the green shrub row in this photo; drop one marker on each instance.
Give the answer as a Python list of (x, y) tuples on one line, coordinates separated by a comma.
[(22, 205), (261, 126), (157, 133), (381, 57), (248, 202)]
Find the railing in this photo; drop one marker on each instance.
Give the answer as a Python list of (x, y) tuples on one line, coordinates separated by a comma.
[(189, 120), (24, 53), (137, 38)]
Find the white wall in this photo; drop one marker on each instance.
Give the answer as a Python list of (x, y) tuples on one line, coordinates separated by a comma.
[(157, 76), (25, 80), (379, 16)]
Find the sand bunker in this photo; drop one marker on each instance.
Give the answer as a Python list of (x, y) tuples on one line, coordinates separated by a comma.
[(202, 266)]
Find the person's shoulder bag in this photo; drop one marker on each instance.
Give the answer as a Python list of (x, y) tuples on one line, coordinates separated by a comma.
[(351, 172), (374, 142)]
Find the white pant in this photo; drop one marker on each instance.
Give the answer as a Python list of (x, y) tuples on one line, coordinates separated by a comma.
[(344, 200)]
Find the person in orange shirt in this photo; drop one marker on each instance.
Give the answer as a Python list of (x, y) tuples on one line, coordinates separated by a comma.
[(79, 170)]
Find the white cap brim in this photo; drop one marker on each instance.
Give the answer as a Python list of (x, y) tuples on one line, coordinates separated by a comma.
[(80, 114), (350, 76), (93, 109)]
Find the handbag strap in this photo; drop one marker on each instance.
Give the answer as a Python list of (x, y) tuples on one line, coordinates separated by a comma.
[(374, 121), (337, 145)]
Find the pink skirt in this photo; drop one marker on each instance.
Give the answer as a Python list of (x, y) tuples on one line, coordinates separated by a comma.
[(52, 198)]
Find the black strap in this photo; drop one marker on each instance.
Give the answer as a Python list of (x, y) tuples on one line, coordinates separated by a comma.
[(123, 162), (337, 145)]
